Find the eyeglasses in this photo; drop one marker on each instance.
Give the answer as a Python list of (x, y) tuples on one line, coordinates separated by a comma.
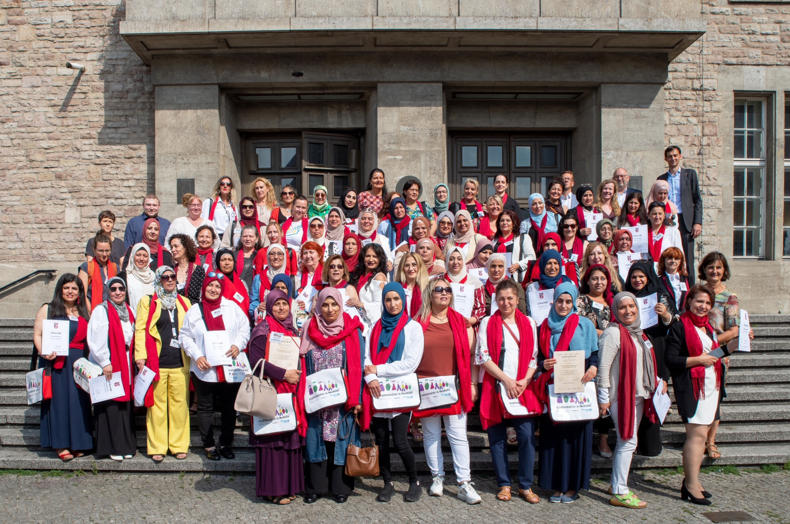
[(247, 207), (316, 225), (115, 289), (284, 193), (167, 278), (225, 183), (439, 290)]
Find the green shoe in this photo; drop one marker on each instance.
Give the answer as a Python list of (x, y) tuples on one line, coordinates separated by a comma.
[(629, 500)]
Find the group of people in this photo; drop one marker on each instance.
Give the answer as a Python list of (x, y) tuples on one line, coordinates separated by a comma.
[(470, 301)]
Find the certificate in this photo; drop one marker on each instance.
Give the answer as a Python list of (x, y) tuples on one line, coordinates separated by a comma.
[(480, 272), (568, 371), (217, 344), (103, 389), (239, 369), (647, 310), (333, 247), (283, 351), (661, 402), (463, 298), (55, 338), (592, 219), (540, 301), (142, 382), (744, 344), (508, 263), (639, 236), (625, 261)]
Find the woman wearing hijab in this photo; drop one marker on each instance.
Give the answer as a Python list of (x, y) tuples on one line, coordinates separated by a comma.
[(509, 240), (420, 229), (464, 285), (367, 230), (622, 243), (248, 216), (507, 349), (697, 380), (352, 247), (565, 448), (540, 221), (485, 296), (605, 231), (585, 210), (214, 313), (626, 383), (426, 251), (159, 255), (93, 274), (348, 204), (317, 231), (446, 354), (279, 470), (320, 206), (550, 276), (659, 192), (464, 236), (393, 349), (274, 235), (659, 235), (157, 346), (138, 275), (441, 200), (551, 242), (331, 339), (335, 232), (396, 227), (477, 266), (205, 237), (234, 289), (413, 276), (486, 225), (444, 228), (110, 335), (189, 274), (66, 417), (262, 282)]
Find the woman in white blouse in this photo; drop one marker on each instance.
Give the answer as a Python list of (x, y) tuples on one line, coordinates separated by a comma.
[(188, 224), (214, 314)]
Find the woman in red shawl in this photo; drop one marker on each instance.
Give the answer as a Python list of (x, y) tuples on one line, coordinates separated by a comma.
[(279, 471), (160, 256)]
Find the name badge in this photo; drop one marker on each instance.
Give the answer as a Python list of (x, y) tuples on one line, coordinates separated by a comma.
[(648, 345), (684, 286), (366, 241), (174, 343), (658, 236), (237, 297), (574, 257), (217, 312), (597, 305)]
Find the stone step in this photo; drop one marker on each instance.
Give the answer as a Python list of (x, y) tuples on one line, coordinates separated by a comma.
[(16, 322), (16, 349), (762, 318), (764, 344), (732, 433), (772, 331), (15, 363), (758, 376), (761, 360), (17, 334), (746, 412)]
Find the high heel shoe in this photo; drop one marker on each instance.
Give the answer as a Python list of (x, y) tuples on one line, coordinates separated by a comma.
[(706, 494), (685, 495)]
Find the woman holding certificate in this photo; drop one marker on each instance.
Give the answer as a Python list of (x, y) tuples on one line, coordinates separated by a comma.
[(393, 350), (463, 285), (507, 348), (279, 471), (626, 384), (331, 346), (696, 368), (110, 333), (516, 248), (565, 448), (59, 336), (538, 303), (213, 334), (157, 347), (447, 389)]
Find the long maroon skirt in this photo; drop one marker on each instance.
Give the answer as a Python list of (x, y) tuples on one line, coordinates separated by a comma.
[(278, 472)]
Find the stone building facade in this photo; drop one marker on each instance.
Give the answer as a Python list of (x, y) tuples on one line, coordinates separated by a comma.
[(176, 94)]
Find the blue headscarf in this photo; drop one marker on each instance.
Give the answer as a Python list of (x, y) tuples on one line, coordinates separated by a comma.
[(288, 283), (389, 322), (585, 338), (392, 232), (551, 221), (546, 281)]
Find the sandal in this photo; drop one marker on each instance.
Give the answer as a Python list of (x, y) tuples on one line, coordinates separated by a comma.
[(503, 494), (415, 428), (181, 456), (529, 495), (512, 437), (65, 455), (157, 458), (629, 500), (280, 501), (78, 454), (712, 450)]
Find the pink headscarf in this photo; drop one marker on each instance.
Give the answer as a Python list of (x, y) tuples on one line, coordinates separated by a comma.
[(328, 329)]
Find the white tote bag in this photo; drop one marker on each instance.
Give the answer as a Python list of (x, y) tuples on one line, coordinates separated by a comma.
[(398, 393), (284, 418), (574, 407), (34, 382), (437, 392), (324, 389)]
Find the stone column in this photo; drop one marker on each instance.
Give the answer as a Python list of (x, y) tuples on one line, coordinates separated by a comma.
[(411, 133)]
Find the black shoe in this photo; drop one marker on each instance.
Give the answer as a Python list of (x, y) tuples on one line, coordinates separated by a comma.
[(685, 495), (340, 499), (414, 493), (227, 452), (212, 454), (310, 498), (707, 494), (386, 492)]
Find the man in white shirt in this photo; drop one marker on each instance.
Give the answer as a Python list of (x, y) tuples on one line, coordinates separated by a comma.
[(622, 178), (568, 198)]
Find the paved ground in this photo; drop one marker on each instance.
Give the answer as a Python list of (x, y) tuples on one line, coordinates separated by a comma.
[(191, 497)]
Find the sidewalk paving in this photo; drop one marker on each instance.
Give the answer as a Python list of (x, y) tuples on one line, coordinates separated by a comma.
[(194, 497)]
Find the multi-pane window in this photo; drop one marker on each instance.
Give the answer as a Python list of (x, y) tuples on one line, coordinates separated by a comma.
[(749, 165), (786, 228)]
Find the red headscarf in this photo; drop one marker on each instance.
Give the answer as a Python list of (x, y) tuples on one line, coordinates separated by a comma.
[(153, 245), (653, 244), (353, 260), (620, 233)]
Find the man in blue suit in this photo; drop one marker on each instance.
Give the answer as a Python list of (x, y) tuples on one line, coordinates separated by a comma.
[(684, 193)]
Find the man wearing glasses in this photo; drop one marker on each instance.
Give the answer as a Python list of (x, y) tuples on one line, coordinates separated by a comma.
[(134, 228)]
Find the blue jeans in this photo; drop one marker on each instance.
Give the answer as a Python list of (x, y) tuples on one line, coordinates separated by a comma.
[(497, 441)]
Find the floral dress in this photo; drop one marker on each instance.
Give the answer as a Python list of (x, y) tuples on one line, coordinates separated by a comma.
[(600, 316), (330, 417)]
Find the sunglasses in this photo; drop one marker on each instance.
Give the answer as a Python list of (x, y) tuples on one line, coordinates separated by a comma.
[(439, 290), (569, 226), (213, 274), (335, 266), (167, 278), (115, 289), (316, 225), (247, 207), (287, 193), (228, 184)]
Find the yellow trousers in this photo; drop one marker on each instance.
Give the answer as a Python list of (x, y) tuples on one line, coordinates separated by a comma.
[(167, 421)]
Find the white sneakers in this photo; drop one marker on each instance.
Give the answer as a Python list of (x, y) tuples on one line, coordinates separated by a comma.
[(467, 493), (437, 486)]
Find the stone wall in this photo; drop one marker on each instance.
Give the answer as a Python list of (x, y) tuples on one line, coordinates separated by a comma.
[(72, 144)]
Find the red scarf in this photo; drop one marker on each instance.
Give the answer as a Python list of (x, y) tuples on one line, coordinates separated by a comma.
[(463, 364), (400, 229), (478, 207), (577, 249), (236, 291), (153, 346), (78, 342), (190, 269), (215, 323), (364, 280), (485, 228), (377, 358), (416, 302), (491, 288), (206, 258), (353, 260), (351, 336), (633, 220), (266, 285), (291, 261), (254, 221), (119, 358), (213, 208), (288, 224), (491, 409), (97, 282), (501, 246), (627, 386), (694, 347), (316, 281), (541, 229), (283, 386), (580, 217), (654, 246), (563, 344), (446, 277)]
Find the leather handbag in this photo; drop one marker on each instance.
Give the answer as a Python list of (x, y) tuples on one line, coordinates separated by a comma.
[(257, 396), (362, 461)]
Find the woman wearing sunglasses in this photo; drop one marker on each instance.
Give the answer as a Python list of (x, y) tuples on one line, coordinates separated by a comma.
[(284, 211), (156, 346), (219, 209)]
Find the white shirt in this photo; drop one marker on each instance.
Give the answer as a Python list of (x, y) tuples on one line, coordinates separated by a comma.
[(510, 364), (182, 225), (294, 235), (224, 214), (569, 201), (370, 296), (194, 329), (98, 342), (621, 198)]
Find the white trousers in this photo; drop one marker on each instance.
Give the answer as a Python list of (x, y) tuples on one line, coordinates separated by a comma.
[(624, 451), (455, 427)]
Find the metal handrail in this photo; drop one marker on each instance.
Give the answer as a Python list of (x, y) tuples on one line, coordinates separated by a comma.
[(49, 272)]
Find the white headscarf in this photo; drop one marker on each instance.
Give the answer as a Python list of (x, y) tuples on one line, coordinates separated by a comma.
[(139, 282)]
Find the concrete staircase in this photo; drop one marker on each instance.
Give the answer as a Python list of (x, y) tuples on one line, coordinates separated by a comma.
[(755, 416)]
